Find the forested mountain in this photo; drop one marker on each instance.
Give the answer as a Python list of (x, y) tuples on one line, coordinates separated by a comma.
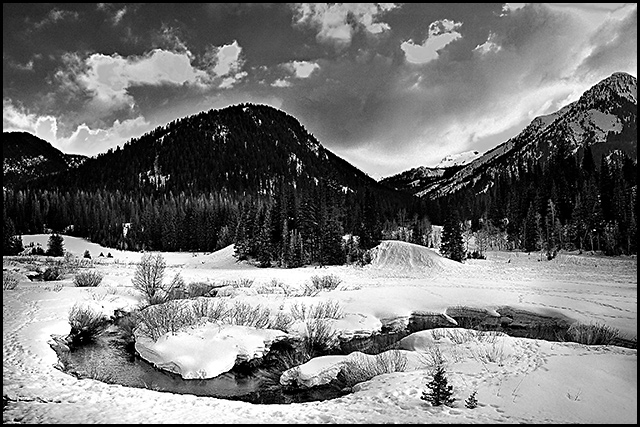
[(25, 156), (246, 174), (568, 180)]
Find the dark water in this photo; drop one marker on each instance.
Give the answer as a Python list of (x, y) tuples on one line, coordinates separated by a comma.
[(111, 360)]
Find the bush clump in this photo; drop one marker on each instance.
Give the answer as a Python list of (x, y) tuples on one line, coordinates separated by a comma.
[(360, 367), (9, 281), (86, 324), (592, 334), (52, 273), (321, 283), (87, 279)]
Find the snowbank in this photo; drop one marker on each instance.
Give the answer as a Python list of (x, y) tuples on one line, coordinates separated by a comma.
[(208, 350)]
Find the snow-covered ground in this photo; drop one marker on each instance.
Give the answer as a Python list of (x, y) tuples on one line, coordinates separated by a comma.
[(517, 380)]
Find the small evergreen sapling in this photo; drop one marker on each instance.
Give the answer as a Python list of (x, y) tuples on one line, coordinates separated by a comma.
[(471, 401), (439, 391)]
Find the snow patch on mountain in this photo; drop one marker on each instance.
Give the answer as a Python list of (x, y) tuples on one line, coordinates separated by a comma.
[(459, 159)]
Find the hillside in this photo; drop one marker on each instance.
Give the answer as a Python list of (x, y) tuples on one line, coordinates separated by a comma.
[(25, 157), (244, 149)]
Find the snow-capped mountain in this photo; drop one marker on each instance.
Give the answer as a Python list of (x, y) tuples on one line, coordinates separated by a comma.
[(417, 178), (460, 159), (604, 118)]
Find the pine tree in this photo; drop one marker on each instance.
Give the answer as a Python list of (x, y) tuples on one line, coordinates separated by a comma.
[(471, 401), (440, 392), (532, 230), (55, 245), (452, 245), (11, 244)]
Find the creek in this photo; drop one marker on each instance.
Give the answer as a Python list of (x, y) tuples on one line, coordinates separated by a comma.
[(112, 359)]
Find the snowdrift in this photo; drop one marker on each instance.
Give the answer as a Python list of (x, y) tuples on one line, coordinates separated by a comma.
[(407, 257)]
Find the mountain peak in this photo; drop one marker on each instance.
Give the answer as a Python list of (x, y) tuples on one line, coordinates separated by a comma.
[(617, 84)]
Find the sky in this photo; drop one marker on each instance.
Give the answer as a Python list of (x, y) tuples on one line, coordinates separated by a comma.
[(386, 86)]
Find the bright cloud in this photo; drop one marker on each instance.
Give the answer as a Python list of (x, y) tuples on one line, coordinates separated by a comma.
[(302, 69), (281, 83), (225, 59), (336, 23), (109, 76), (441, 33), (83, 140), (18, 119)]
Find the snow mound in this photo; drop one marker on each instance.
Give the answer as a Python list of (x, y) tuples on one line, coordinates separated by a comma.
[(408, 257), (223, 258), (208, 350)]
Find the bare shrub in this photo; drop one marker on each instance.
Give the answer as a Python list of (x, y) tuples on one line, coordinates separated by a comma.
[(9, 281), (87, 279), (239, 283), (360, 367), (149, 277), (322, 310), (245, 314), (169, 317), (491, 353), (321, 283), (86, 324), (212, 309), (320, 335), (433, 358), (592, 333), (281, 321)]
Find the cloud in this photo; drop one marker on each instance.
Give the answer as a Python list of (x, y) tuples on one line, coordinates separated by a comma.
[(109, 77), (225, 61), (441, 33), (116, 14), (56, 15), (281, 83), (336, 23), (106, 81), (610, 46), (83, 140), (88, 141), (487, 47), (302, 69), (18, 119), (510, 7)]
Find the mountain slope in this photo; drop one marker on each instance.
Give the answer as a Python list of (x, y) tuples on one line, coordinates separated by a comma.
[(241, 149), (417, 178), (25, 156), (604, 119)]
